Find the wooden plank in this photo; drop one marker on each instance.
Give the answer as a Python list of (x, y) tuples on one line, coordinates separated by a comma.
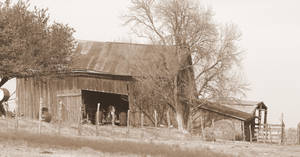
[(69, 95)]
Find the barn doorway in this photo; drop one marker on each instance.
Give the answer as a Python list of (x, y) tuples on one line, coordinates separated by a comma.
[(107, 101)]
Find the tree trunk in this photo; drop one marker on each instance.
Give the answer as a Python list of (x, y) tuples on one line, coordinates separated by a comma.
[(185, 91), (179, 119)]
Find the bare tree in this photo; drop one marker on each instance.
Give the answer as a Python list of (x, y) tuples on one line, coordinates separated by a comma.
[(202, 53)]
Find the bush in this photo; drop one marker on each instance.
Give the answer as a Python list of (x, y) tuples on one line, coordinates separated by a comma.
[(209, 134)]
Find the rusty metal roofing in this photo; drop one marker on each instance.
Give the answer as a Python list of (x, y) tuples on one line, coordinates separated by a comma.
[(110, 57)]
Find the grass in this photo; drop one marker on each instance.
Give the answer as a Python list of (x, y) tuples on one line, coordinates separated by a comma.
[(107, 146)]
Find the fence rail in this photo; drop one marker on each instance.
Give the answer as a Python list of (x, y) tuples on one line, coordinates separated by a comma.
[(271, 133)]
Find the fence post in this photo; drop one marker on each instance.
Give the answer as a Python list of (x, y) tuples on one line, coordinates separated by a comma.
[(270, 133), (128, 117), (168, 118), (282, 129), (155, 118), (16, 112), (97, 118), (202, 127), (60, 104), (250, 131), (79, 121), (142, 119), (40, 114), (298, 133)]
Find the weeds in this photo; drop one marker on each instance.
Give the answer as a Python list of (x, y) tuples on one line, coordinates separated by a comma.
[(107, 146)]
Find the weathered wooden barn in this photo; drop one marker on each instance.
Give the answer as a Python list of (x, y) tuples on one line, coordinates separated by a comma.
[(231, 119), (102, 72)]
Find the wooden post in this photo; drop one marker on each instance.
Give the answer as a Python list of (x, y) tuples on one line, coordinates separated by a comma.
[(113, 116), (168, 118), (155, 118), (298, 133), (59, 115), (97, 118), (270, 133), (17, 116), (40, 114), (265, 118), (128, 117), (250, 131), (79, 121), (243, 130), (282, 129), (142, 119), (202, 127)]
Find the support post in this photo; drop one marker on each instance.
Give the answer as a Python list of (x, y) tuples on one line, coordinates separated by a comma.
[(265, 118), (243, 130), (97, 118), (250, 131), (113, 116)]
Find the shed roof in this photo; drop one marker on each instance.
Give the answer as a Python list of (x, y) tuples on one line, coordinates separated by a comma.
[(111, 57), (245, 106), (226, 111)]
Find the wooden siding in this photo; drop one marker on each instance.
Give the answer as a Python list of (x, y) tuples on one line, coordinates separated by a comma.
[(71, 105), (30, 90), (209, 118)]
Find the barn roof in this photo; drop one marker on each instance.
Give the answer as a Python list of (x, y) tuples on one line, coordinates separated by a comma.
[(226, 111), (110, 57)]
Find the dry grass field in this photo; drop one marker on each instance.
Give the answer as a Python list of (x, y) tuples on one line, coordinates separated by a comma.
[(117, 141)]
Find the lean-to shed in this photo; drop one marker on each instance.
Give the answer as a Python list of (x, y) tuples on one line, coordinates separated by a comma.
[(233, 118)]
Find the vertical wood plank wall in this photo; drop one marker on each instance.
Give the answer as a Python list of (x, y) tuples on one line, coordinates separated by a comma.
[(30, 90)]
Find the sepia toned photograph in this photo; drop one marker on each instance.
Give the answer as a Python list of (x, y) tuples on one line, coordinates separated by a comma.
[(149, 78)]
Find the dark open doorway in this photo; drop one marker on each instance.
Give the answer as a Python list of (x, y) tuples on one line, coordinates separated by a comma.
[(107, 101)]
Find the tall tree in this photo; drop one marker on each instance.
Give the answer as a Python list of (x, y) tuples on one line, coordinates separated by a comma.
[(204, 52), (29, 44)]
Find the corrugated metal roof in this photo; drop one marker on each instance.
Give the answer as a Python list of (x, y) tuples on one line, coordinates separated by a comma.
[(110, 57)]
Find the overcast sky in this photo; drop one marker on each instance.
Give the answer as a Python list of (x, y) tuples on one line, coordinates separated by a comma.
[(270, 37)]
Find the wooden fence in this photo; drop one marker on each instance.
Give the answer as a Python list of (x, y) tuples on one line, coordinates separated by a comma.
[(270, 133)]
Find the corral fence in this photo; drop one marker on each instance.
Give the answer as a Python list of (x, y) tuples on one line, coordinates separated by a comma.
[(270, 133)]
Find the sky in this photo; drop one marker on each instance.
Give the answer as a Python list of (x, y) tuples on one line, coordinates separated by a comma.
[(270, 40)]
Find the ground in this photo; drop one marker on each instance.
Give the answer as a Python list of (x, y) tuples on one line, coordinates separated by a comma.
[(24, 140)]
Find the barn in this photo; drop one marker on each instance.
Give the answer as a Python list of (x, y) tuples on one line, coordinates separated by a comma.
[(231, 120), (102, 72)]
